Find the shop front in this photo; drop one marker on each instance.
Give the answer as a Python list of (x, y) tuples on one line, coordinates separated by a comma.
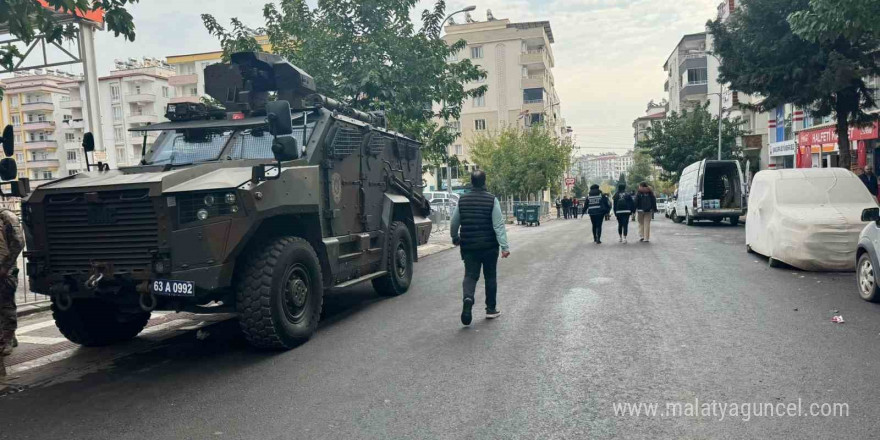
[(782, 154), (818, 147)]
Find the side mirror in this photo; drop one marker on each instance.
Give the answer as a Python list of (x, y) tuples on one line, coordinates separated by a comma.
[(8, 141), (285, 148), (88, 142), (278, 116), (8, 169), (871, 215)]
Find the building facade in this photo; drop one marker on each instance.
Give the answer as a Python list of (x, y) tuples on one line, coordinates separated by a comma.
[(655, 113), (687, 79), (133, 95), (521, 91), (601, 168)]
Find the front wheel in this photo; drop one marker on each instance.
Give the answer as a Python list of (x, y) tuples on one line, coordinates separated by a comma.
[(399, 264), (866, 279), (688, 219), (279, 294), (95, 322), (676, 218), (734, 220)]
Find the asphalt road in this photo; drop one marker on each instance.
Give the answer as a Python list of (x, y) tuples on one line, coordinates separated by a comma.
[(689, 316)]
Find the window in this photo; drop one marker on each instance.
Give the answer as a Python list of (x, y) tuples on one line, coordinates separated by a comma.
[(193, 91), (458, 150), (69, 137), (41, 117), (119, 134), (19, 157), (47, 175), (114, 92), (532, 96), (71, 156), (164, 91), (120, 155), (480, 101), (697, 76), (67, 118), (16, 120), (479, 124), (454, 126), (117, 113), (453, 57), (14, 101), (137, 90), (72, 172), (477, 52)]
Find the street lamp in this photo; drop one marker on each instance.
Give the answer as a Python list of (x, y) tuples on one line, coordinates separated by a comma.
[(449, 168), (720, 98)]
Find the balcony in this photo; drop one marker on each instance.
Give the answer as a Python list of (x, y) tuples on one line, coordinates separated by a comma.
[(178, 99), (72, 145), (74, 124), (694, 91), (534, 106), (42, 163), (137, 137), (38, 125), (182, 80), (666, 85), (142, 118), (693, 61), (40, 145), (140, 97), (536, 81), (37, 105), (534, 56), (71, 104)]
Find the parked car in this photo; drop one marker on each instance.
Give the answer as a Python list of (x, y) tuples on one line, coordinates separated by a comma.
[(661, 203), (442, 197), (670, 206), (711, 190), (866, 256), (807, 218)]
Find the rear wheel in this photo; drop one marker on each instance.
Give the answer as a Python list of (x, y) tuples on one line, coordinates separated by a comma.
[(734, 220), (279, 294), (676, 218), (95, 322), (399, 264), (775, 263), (688, 219), (866, 279), (717, 221)]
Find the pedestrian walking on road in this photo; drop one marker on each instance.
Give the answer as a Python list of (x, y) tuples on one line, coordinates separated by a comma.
[(478, 214), (575, 205), (624, 206), (566, 206), (11, 244), (597, 207), (558, 208), (646, 206)]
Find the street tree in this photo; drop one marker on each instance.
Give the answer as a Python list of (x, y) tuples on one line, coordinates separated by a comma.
[(828, 20), (28, 19), (821, 68), (642, 169), (370, 56), (521, 161), (622, 179), (687, 137)]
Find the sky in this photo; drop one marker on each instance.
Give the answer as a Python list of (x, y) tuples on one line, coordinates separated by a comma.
[(609, 53)]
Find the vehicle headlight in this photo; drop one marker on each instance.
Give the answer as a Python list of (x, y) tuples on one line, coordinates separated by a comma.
[(230, 198), (209, 200), (200, 206), (202, 214)]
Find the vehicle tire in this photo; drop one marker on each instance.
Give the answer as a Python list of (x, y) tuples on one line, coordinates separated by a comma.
[(279, 293), (400, 263), (734, 220), (749, 249), (95, 322), (774, 263), (676, 218), (867, 281), (717, 221), (688, 219)]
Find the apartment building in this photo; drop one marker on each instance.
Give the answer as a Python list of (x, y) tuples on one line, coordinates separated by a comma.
[(133, 95), (687, 83), (33, 103), (188, 80), (518, 61), (655, 113), (601, 168)]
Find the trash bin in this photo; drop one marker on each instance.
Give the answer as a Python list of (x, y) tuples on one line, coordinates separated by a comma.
[(532, 215)]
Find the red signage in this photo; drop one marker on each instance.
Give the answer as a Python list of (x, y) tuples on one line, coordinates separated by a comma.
[(828, 135), (569, 181)]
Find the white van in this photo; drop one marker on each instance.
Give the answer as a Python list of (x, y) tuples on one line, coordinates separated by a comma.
[(711, 190)]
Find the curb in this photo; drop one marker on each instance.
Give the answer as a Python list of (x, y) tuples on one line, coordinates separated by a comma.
[(35, 307), (433, 248)]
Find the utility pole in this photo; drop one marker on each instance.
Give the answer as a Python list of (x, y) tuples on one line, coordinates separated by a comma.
[(720, 100)]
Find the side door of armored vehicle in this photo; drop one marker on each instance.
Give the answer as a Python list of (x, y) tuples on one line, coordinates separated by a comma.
[(343, 165)]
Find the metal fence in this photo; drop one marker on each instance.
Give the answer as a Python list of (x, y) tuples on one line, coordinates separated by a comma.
[(24, 295), (440, 216)]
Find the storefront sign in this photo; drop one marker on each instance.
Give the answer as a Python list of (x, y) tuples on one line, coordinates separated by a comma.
[(784, 148), (828, 135)]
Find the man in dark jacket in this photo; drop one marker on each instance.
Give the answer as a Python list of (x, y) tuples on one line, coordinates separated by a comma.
[(646, 206), (575, 205), (869, 179), (624, 206), (478, 214), (566, 206), (597, 207)]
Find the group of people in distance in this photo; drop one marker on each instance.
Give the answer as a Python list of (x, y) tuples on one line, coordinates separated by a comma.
[(642, 205)]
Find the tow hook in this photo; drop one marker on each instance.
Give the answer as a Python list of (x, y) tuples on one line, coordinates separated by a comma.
[(147, 302), (93, 280)]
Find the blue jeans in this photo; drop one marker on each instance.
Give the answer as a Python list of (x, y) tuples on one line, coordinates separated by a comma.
[(488, 261)]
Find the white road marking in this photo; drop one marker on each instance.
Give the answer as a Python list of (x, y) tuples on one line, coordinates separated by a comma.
[(39, 362), (41, 340), (36, 326)]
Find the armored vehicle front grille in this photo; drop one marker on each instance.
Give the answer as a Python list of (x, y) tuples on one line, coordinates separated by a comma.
[(115, 227), (346, 141)]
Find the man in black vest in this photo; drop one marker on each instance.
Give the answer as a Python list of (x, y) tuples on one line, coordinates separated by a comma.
[(478, 214)]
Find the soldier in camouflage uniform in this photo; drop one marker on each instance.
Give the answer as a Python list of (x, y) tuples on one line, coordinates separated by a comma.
[(11, 244)]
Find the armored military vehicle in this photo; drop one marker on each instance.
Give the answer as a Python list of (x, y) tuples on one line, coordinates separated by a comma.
[(256, 209)]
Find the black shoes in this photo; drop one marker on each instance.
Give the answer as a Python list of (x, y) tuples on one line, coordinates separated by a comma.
[(492, 313), (466, 316)]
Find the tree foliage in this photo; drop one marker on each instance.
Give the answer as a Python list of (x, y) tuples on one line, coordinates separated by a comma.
[(685, 138), (28, 19), (642, 169), (828, 20), (760, 54), (370, 56), (521, 161)]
